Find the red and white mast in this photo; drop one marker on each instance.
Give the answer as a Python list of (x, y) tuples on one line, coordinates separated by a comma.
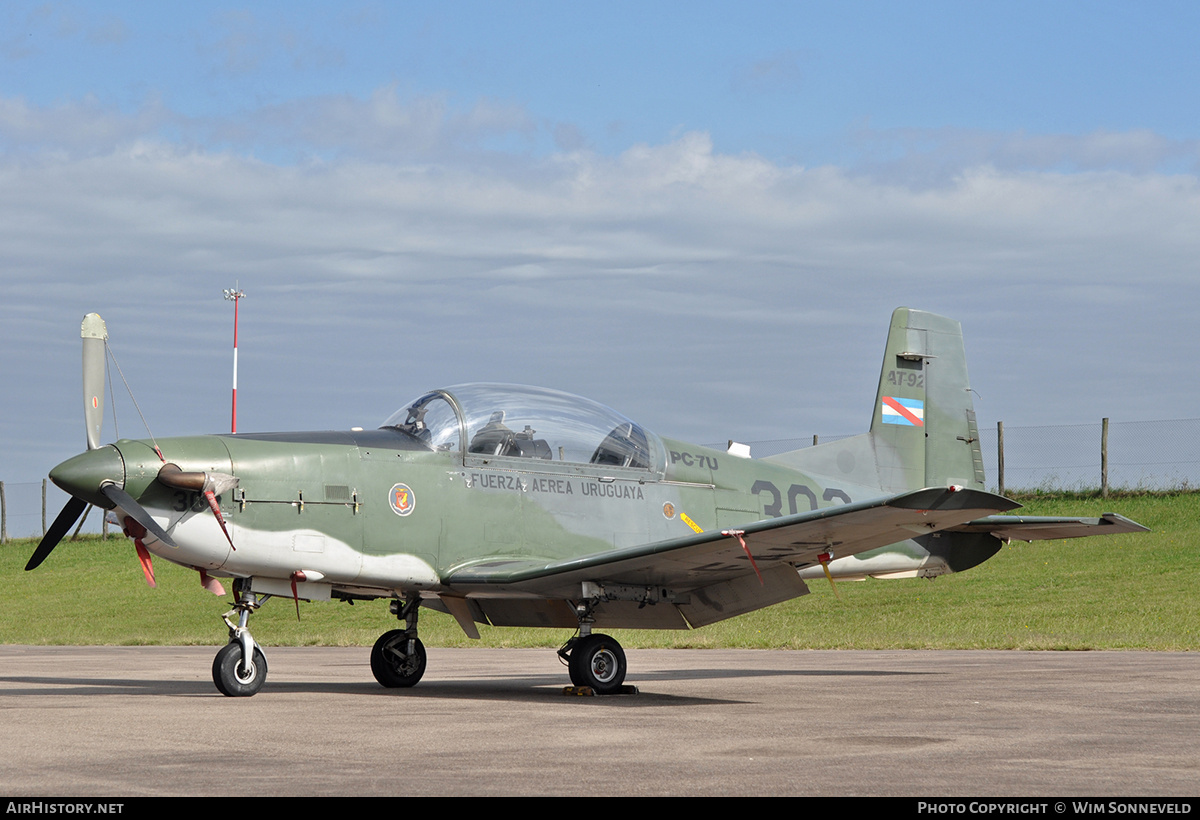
[(234, 296)]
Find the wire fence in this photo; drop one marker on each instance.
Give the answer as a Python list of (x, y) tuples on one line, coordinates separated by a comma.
[(1151, 456), (22, 509), (26, 513), (1147, 456)]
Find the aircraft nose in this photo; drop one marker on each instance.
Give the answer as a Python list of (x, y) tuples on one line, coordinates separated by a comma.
[(82, 475)]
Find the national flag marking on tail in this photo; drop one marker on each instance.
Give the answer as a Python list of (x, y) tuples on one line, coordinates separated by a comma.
[(908, 412)]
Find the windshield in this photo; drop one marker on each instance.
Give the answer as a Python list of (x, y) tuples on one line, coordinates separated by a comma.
[(516, 421), (431, 419)]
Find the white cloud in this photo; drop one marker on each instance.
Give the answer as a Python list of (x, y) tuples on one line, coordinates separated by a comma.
[(648, 208), (84, 127), (385, 126), (934, 156)]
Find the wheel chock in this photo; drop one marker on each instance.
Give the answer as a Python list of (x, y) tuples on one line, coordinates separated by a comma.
[(588, 692)]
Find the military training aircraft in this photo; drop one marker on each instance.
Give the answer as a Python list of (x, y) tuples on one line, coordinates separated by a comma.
[(520, 506)]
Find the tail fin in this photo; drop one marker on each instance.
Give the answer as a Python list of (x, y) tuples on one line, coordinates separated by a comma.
[(923, 427), (923, 431)]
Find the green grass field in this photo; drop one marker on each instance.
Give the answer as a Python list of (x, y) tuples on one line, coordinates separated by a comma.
[(1118, 592)]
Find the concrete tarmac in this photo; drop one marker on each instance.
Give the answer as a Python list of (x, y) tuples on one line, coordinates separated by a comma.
[(133, 721)]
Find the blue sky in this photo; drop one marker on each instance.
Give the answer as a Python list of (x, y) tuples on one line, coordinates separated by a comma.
[(790, 81), (701, 214)]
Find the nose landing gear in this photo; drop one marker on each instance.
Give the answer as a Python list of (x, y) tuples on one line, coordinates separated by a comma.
[(240, 668)]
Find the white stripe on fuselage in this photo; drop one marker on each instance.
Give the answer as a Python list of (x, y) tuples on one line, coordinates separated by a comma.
[(278, 554)]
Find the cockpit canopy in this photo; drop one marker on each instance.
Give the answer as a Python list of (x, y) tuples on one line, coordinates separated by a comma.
[(516, 421)]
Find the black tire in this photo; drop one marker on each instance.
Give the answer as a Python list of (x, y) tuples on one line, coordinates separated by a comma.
[(232, 677), (391, 663), (598, 661)]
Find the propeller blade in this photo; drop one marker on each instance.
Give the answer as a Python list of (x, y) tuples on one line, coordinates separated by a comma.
[(136, 511), (94, 333), (60, 527)]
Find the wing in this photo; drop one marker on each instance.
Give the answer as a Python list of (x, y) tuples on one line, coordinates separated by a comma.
[(1037, 528), (710, 576)]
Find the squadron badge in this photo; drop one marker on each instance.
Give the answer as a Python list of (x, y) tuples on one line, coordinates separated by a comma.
[(402, 499)]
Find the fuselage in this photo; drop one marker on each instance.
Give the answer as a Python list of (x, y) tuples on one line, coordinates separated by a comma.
[(379, 512)]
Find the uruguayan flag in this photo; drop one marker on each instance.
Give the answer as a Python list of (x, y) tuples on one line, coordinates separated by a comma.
[(910, 412)]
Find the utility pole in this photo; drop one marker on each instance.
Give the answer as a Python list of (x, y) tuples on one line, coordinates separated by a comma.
[(234, 296)]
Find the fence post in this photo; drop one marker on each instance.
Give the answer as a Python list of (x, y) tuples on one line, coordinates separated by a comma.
[(43, 508), (814, 439), (1000, 457), (1104, 458), (3, 517)]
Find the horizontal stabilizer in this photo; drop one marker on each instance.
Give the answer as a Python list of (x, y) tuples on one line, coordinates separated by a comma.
[(1042, 528)]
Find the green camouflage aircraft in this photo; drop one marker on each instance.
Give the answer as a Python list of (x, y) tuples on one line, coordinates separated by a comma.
[(520, 506)]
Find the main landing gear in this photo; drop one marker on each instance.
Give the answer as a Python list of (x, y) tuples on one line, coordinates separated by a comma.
[(240, 668), (597, 662), (398, 657), (594, 660)]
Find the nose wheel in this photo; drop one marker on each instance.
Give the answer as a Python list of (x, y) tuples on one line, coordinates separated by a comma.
[(233, 676), (240, 668)]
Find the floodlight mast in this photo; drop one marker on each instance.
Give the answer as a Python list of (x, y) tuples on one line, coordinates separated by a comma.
[(234, 296)]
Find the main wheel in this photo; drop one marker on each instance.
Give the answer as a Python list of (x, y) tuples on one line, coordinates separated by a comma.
[(391, 662), (234, 678), (599, 662)]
